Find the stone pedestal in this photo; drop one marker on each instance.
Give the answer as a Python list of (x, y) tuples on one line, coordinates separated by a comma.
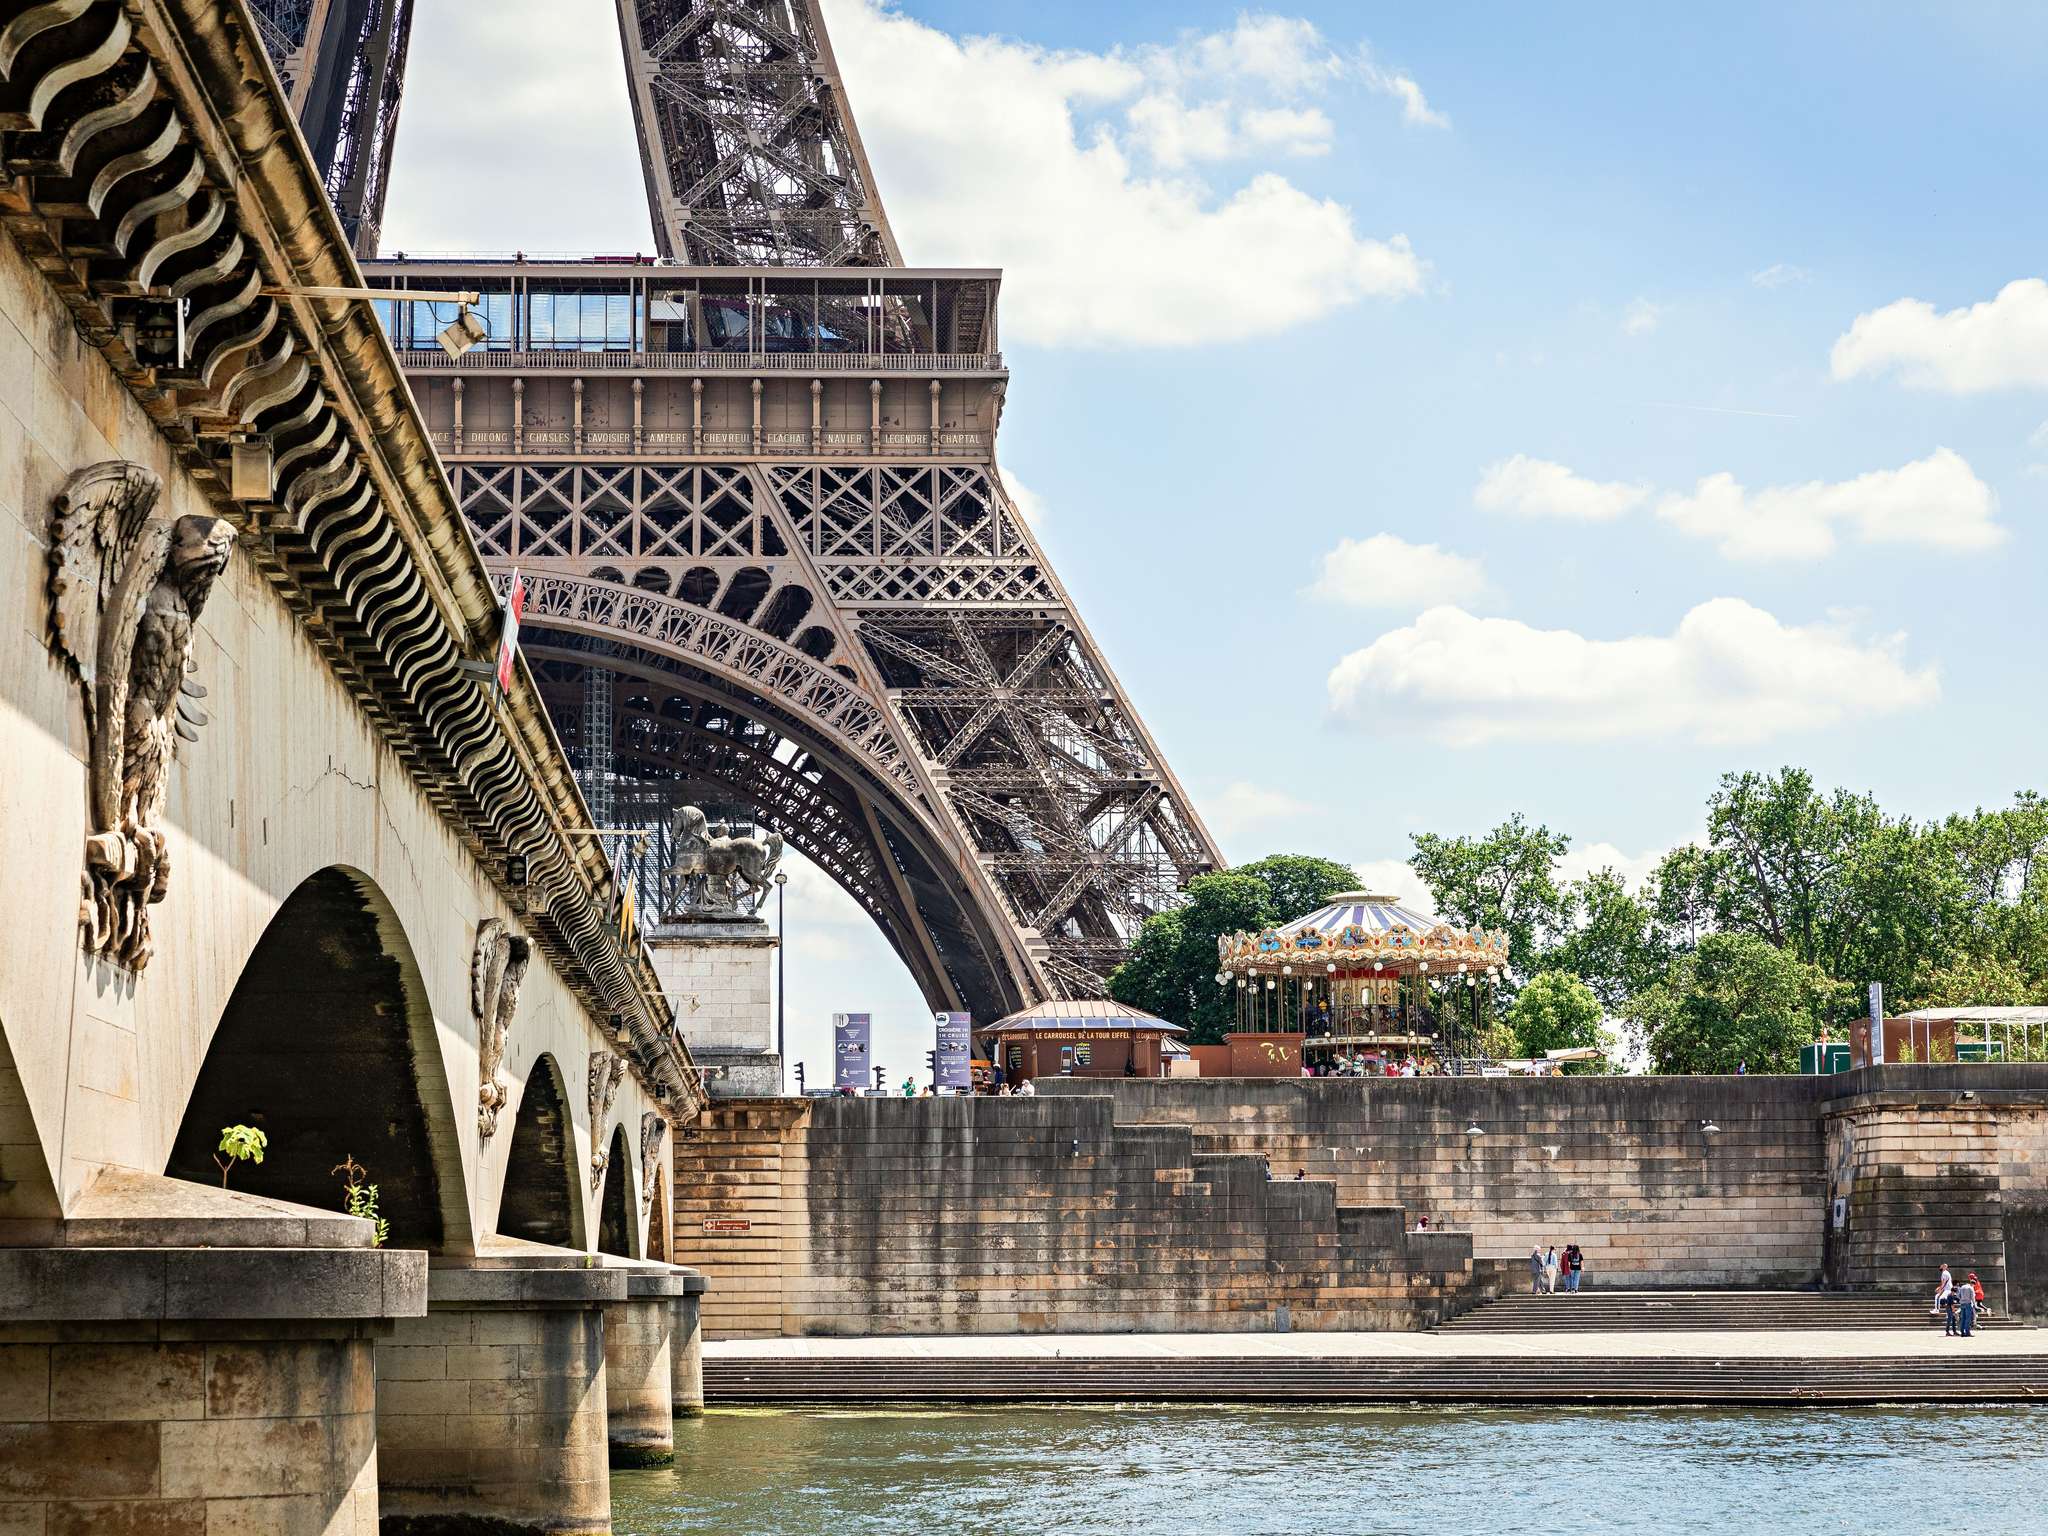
[(686, 1351), (491, 1408), (176, 1389), (716, 974), (638, 1337)]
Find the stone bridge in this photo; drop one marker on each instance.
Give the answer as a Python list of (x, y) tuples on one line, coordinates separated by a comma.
[(276, 856)]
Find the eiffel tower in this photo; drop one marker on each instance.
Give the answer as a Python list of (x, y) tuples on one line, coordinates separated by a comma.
[(771, 564)]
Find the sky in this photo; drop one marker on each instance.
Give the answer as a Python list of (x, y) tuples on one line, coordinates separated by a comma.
[(1437, 413)]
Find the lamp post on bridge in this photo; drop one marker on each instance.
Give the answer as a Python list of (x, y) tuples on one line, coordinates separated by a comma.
[(781, 970)]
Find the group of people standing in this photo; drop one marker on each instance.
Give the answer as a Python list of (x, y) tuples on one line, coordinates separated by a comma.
[(1958, 1304), (1547, 1266)]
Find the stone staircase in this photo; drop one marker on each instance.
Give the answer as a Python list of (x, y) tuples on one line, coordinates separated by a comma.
[(1597, 1311), (893, 1378)]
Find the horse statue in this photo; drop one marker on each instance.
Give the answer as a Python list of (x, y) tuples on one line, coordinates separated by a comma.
[(717, 873)]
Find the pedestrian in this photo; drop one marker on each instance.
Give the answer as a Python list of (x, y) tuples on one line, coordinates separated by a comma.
[(1536, 1270), (1969, 1295), (1300, 1174), (1026, 1091), (1574, 1260), (1945, 1300), (1550, 1271), (909, 1088)]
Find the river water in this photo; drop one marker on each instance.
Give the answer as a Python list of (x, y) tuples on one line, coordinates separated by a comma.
[(1327, 1472)]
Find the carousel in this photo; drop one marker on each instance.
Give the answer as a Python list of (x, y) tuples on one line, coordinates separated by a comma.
[(1365, 981)]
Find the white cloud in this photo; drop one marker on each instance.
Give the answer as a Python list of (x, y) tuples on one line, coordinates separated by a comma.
[(1641, 317), (1936, 502), (1395, 878), (1103, 237), (555, 115), (1583, 859), (1530, 487), (1779, 274), (1301, 131), (1999, 344), (1283, 53), (1387, 572), (1174, 133), (1029, 504), (1241, 808), (1730, 673), (1415, 108)]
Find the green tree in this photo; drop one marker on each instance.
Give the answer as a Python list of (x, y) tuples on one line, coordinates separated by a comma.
[(1297, 883), (1504, 882), (1614, 944), (1829, 878), (1554, 1011), (1171, 970), (1734, 999)]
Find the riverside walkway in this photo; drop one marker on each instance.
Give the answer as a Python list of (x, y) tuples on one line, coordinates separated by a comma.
[(1754, 1366)]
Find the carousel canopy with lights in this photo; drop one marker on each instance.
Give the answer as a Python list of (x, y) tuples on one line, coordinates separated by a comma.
[(1360, 932)]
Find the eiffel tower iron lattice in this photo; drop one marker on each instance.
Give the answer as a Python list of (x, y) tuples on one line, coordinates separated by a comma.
[(342, 63), (771, 563)]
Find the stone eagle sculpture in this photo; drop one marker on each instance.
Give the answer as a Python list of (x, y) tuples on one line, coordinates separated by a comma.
[(716, 874), (496, 972), (653, 1136), (126, 587), (607, 1071)]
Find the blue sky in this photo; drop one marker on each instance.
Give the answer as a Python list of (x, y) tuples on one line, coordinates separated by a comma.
[(1571, 295)]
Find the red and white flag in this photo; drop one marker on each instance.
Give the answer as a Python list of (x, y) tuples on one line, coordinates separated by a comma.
[(508, 638)]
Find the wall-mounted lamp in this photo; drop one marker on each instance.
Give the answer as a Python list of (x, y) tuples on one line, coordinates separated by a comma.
[(1710, 1128), (1475, 1129)]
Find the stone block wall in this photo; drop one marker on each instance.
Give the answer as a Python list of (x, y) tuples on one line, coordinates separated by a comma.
[(1620, 1165), (1110, 1204), (183, 1429), (1927, 1167), (962, 1215)]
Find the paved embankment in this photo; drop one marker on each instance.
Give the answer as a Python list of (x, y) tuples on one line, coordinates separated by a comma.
[(1703, 1312), (1745, 1367)]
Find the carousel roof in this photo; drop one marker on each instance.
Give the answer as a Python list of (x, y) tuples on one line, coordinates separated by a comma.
[(1073, 1013), (1357, 929), (1375, 914)]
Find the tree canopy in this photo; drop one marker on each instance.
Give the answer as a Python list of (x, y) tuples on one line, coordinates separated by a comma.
[(1172, 966), (1736, 949)]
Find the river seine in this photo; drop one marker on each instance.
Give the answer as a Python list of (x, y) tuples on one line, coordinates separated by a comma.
[(1318, 1472)]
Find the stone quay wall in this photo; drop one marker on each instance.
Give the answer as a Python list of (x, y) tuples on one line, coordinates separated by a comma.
[(1144, 1205), (1622, 1166), (961, 1215)]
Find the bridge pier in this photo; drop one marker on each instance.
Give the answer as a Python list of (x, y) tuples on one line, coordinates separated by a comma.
[(686, 1353), (491, 1408), (165, 1387), (639, 1338)]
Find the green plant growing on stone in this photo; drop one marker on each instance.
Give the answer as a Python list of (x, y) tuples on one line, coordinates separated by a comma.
[(359, 1197), (238, 1144)]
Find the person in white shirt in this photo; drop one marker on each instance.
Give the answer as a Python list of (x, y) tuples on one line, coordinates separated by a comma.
[(1026, 1091), (1945, 1300)]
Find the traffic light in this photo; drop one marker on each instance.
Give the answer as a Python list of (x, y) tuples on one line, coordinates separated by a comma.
[(931, 1067), (799, 1079), (881, 1073)]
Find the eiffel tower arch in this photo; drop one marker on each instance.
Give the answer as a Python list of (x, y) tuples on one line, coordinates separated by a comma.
[(772, 565)]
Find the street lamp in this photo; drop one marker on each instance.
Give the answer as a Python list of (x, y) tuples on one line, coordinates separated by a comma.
[(781, 970)]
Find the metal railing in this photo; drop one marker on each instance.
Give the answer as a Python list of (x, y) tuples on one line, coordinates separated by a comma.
[(553, 442), (1945, 1042), (483, 360)]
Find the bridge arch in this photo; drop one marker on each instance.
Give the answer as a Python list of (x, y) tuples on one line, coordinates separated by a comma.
[(542, 1201), (684, 719), (328, 1045), (616, 1228)]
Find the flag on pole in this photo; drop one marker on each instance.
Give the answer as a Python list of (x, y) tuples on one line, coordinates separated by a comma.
[(508, 636)]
